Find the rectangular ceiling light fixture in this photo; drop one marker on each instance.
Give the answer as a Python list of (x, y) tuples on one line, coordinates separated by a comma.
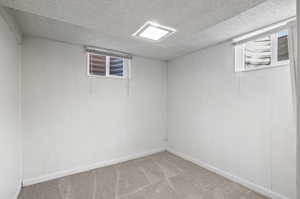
[(153, 31)]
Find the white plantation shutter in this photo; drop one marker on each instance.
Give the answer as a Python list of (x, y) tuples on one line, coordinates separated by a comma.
[(264, 48), (258, 52)]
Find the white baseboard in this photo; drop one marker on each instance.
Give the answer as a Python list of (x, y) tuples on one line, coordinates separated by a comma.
[(257, 188), (59, 174), (18, 191)]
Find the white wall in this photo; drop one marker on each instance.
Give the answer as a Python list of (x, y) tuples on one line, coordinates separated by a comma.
[(298, 102), (10, 134), (240, 123), (71, 121)]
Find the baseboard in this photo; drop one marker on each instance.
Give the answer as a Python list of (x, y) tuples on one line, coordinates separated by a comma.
[(18, 191), (59, 174), (257, 188)]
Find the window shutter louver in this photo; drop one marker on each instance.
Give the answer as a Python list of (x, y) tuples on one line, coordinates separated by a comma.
[(258, 52), (97, 64), (116, 66)]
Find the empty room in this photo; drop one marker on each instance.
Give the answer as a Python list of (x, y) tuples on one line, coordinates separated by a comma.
[(141, 99)]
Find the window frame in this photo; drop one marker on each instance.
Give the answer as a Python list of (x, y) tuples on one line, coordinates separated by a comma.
[(239, 53), (126, 67)]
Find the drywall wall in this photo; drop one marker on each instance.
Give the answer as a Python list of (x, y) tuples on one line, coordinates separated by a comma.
[(71, 121), (10, 134), (236, 123), (298, 102)]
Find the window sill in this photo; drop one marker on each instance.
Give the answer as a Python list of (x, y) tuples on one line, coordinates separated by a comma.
[(282, 64), (106, 77)]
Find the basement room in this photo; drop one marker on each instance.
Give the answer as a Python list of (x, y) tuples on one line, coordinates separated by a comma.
[(149, 99)]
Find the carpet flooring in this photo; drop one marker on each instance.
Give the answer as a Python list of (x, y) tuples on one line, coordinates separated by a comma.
[(159, 176)]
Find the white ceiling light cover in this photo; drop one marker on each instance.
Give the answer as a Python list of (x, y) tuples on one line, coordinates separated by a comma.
[(199, 23), (153, 31)]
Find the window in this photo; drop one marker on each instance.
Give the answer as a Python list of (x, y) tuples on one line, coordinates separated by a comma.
[(97, 64), (107, 66), (263, 52), (116, 66), (282, 47)]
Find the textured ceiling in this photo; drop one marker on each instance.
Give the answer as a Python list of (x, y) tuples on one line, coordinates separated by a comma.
[(110, 23)]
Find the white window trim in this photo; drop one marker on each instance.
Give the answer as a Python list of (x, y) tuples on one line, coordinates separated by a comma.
[(126, 68), (281, 64), (239, 49)]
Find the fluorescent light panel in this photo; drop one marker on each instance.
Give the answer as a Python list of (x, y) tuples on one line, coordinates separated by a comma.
[(153, 31)]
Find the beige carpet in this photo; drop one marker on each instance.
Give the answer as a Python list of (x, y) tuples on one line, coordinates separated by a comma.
[(159, 176)]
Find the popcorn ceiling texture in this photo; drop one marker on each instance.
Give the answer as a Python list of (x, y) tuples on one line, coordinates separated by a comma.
[(109, 24)]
